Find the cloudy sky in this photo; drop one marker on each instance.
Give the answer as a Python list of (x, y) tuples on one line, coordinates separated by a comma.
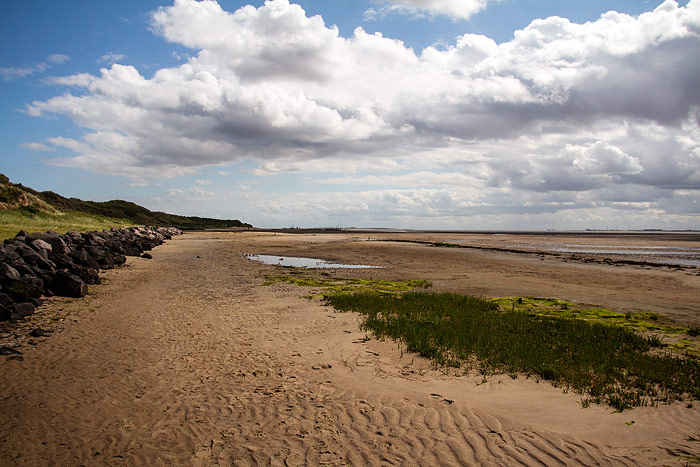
[(453, 114)]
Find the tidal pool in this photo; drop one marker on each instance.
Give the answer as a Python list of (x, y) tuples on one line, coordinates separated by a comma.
[(300, 262)]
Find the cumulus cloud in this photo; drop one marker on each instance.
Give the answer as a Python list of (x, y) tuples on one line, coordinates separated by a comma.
[(455, 9), (16, 72), (564, 115)]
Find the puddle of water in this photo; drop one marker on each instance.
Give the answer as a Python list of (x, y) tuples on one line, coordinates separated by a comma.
[(310, 263)]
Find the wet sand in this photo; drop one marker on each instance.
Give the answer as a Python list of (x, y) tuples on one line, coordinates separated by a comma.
[(188, 359)]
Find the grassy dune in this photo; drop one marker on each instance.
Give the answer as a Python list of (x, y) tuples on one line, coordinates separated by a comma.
[(24, 208), (14, 220)]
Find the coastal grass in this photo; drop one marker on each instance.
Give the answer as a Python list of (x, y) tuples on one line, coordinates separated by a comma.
[(336, 286), (645, 323), (606, 364), (14, 220)]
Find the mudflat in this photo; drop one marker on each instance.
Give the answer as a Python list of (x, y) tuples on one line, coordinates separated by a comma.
[(190, 359)]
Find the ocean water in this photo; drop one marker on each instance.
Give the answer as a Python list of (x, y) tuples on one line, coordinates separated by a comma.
[(660, 254)]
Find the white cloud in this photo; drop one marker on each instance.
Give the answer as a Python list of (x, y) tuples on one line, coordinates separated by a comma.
[(423, 178), (111, 57), (58, 59), (16, 72), (38, 147), (563, 113), (455, 9)]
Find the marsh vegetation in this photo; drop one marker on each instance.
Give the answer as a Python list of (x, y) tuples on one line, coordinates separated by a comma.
[(607, 364)]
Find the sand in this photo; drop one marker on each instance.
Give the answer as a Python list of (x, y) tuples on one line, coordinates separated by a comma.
[(188, 359)]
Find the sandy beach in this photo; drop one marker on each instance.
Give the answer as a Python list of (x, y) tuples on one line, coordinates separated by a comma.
[(190, 359)]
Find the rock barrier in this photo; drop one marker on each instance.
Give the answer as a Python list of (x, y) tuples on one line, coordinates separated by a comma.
[(48, 264)]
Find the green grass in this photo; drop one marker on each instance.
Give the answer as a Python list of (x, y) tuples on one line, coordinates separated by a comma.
[(334, 286), (607, 364), (646, 323), (14, 220)]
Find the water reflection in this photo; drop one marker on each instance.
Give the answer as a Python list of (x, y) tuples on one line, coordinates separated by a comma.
[(300, 262)]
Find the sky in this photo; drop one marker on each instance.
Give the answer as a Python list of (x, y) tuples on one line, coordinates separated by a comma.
[(426, 114)]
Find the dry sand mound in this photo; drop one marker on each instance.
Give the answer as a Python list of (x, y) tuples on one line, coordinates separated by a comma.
[(187, 359)]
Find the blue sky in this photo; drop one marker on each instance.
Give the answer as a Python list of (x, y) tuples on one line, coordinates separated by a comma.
[(434, 114)]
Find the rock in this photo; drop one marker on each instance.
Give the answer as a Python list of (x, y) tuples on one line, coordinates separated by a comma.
[(84, 258), (26, 287), (147, 256), (5, 313), (12, 256), (43, 248), (38, 332), (21, 267), (22, 233), (33, 258), (62, 261), (58, 246), (94, 238), (20, 310), (89, 275), (320, 366), (8, 273), (7, 350), (5, 300), (66, 284)]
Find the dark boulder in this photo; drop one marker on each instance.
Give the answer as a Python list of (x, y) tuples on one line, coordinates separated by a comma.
[(83, 258), (5, 300), (88, 275), (21, 310), (33, 258), (21, 267), (38, 332), (42, 248), (62, 261), (94, 238), (11, 255), (66, 284), (58, 245), (26, 287), (103, 256), (8, 273), (5, 313)]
